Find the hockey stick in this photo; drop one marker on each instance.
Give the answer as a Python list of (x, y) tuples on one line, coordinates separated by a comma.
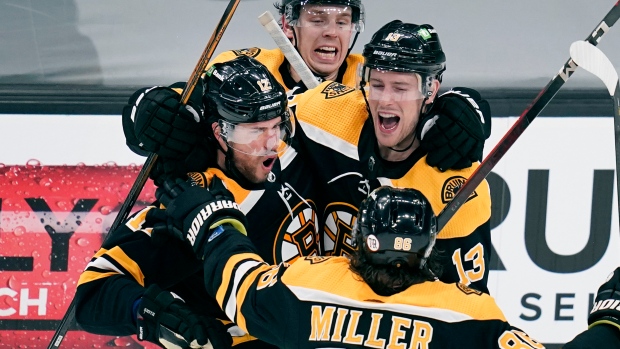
[(143, 176), (289, 51), (592, 59), (528, 115)]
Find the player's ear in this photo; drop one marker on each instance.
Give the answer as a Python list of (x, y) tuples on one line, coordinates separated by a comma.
[(287, 29), (217, 132)]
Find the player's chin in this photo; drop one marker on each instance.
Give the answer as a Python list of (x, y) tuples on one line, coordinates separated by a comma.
[(324, 68)]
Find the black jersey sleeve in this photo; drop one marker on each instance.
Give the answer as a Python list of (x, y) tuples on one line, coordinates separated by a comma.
[(120, 270), (600, 336), (248, 291)]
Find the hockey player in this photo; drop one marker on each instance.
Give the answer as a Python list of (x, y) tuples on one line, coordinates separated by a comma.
[(323, 32), (249, 134), (377, 141), (385, 296), (359, 151)]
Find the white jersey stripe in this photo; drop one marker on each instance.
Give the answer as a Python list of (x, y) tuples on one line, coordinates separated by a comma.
[(104, 264), (287, 157), (445, 315), (320, 136), (231, 302), (250, 200)]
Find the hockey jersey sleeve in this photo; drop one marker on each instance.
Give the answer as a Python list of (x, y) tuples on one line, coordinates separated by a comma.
[(248, 291), (119, 271)]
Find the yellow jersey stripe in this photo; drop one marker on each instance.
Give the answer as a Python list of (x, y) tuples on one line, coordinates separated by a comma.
[(230, 308), (227, 273)]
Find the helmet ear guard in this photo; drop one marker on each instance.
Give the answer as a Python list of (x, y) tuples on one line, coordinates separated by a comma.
[(396, 226)]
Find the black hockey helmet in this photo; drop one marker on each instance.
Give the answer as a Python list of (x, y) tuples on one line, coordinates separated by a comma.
[(396, 226), (242, 91), (406, 47), (292, 8)]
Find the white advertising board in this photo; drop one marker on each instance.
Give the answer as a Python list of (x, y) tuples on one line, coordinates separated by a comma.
[(558, 233), (546, 287)]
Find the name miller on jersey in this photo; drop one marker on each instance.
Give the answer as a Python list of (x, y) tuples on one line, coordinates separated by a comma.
[(325, 318), (204, 214)]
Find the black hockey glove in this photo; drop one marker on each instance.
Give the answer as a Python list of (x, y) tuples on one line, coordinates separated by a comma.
[(166, 168), (165, 319), (156, 121), (454, 130), (606, 309), (195, 211)]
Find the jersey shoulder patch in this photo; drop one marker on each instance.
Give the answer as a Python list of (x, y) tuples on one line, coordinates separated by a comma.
[(197, 179), (467, 290), (334, 89), (451, 186), (250, 52)]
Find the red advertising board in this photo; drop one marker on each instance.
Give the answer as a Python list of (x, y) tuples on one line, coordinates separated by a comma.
[(52, 220)]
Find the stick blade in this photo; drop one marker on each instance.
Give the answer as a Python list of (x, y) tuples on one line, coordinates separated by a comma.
[(592, 59)]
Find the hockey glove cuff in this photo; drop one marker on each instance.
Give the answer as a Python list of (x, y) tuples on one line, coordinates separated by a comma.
[(164, 318), (606, 309), (454, 131)]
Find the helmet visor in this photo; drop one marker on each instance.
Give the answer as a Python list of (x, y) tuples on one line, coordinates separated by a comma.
[(383, 85), (323, 16), (263, 138)]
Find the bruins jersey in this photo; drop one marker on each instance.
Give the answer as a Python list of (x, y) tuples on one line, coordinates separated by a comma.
[(343, 150), (318, 302), (274, 60), (282, 224)]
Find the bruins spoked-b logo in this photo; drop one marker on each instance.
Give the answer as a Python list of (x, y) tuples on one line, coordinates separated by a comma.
[(338, 229), (197, 179), (451, 186), (250, 52), (298, 234), (335, 89)]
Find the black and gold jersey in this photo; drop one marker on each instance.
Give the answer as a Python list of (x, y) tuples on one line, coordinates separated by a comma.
[(343, 150), (282, 224), (282, 217), (274, 60), (318, 302)]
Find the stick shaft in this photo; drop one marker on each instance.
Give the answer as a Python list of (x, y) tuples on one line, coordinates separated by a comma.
[(289, 51), (143, 176), (616, 100), (528, 115)]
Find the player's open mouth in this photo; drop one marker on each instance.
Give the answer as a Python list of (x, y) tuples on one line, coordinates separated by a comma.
[(388, 122), (269, 162), (327, 52)]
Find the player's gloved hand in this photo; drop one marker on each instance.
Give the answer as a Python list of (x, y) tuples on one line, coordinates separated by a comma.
[(195, 211), (165, 319), (454, 130), (156, 121), (606, 309), (167, 168)]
